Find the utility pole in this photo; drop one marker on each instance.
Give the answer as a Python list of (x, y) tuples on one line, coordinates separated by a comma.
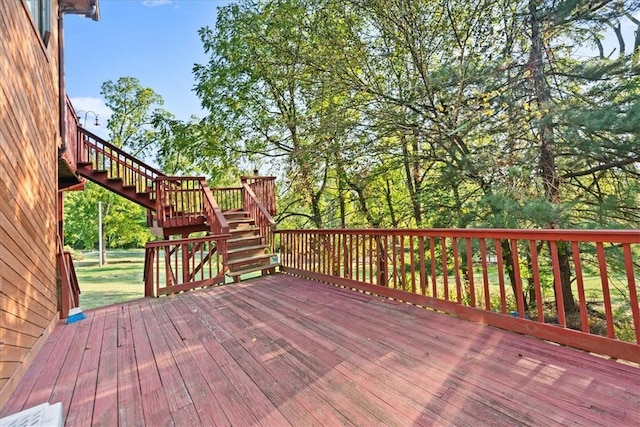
[(100, 244)]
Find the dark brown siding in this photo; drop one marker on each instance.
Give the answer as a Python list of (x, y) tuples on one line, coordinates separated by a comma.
[(29, 137)]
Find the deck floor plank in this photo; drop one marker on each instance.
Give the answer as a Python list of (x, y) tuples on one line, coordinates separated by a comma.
[(92, 350), (262, 408), (284, 389), (325, 381), (203, 398), (66, 382), (81, 407), (105, 408), (233, 405), (25, 387), (147, 368), (352, 347), (172, 382), (468, 367), (281, 350)]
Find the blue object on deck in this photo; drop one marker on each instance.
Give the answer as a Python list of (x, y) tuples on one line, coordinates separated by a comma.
[(515, 314), (75, 315)]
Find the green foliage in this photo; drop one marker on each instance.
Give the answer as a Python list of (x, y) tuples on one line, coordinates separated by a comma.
[(124, 222), (429, 114)]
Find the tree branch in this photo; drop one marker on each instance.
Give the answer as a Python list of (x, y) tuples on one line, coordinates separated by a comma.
[(602, 167)]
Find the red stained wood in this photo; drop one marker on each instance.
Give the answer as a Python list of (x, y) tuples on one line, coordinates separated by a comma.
[(283, 350), (105, 409)]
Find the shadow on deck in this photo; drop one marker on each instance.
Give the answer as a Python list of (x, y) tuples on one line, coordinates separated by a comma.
[(280, 350)]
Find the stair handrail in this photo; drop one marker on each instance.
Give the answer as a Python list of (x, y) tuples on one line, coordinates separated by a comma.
[(217, 222), (260, 214), (153, 173), (264, 189)]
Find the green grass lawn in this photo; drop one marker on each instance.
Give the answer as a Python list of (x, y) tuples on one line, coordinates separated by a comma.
[(117, 281)]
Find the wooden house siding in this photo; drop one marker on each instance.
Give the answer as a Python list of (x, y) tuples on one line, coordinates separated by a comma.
[(29, 138)]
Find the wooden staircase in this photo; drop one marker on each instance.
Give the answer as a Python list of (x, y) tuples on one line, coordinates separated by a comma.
[(183, 205), (247, 251)]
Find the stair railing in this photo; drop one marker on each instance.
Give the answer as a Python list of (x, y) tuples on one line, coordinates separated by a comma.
[(265, 190), (229, 198), (260, 214), (69, 287), (179, 201), (217, 222), (104, 156)]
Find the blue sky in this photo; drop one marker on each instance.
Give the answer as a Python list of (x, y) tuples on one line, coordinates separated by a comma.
[(155, 41)]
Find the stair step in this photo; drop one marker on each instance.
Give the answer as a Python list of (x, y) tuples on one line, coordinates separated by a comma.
[(239, 249), (254, 258), (242, 239), (85, 164), (114, 178), (240, 221), (230, 215), (253, 269), (245, 230)]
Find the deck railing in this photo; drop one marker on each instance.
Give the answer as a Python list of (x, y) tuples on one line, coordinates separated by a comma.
[(218, 224), (104, 156), (261, 216), (229, 198), (69, 296), (180, 201), (71, 135), (264, 189), (182, 264), (577, 288)]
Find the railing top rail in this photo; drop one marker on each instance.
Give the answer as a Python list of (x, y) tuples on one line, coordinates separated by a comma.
[(617, 236), (216, 209), (259, 205), (181, 178), (226, 188), (254, 177), (161, 243), (133, 160)]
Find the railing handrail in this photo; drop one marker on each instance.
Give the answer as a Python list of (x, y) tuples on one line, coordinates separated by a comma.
[(259, 205), (120, 151), (180, 178), (228, 188), (161, 243), (557, 235), (217, 212), (255, 177)]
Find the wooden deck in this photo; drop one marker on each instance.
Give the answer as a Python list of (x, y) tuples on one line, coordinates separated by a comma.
[(280, 350)]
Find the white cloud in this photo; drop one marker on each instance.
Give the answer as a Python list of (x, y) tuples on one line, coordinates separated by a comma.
[(154, 3), (88, 108)]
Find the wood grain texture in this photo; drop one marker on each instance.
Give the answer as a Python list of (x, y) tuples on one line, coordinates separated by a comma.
[(29, 137), (281, 350)]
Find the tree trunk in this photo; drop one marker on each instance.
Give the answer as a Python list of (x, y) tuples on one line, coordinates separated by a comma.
[(548, 169), (412, 176)]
